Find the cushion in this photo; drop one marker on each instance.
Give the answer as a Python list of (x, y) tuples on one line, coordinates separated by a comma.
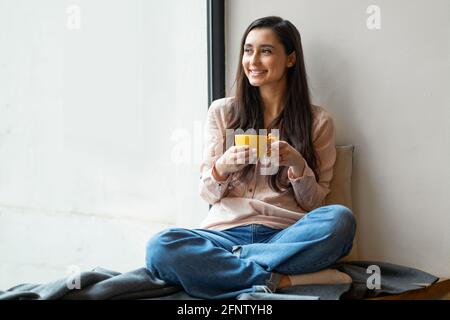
[(340, 187), (326, 276)]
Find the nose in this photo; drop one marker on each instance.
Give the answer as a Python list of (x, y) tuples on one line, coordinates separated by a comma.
[(254, 59)]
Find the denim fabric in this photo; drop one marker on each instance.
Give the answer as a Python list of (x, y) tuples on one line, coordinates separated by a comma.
[(212, 264)]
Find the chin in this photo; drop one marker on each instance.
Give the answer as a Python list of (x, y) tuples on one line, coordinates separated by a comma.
[(255, 83)]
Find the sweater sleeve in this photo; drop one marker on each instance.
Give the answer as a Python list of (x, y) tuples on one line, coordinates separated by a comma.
[(310, 193), (212, 190)]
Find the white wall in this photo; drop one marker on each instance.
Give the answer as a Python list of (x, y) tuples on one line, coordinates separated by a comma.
[(388, 92), (90, 123)]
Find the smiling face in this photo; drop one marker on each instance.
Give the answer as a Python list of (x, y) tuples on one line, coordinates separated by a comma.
[(264, 60)]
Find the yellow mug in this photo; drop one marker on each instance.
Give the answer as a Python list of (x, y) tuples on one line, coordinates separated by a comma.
[(255, 141)]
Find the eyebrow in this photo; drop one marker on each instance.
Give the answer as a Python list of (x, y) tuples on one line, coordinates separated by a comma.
[(263, 45)]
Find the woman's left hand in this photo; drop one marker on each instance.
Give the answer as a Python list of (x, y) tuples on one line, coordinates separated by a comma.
[(288, 156)]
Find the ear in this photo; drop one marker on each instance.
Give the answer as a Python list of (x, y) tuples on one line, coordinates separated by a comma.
[(291, 59)]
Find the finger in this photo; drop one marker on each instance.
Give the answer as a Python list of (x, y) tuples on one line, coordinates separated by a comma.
[(246, 156), (235, 157), (232, 153), (230, 159), (237, 149), (247, 151), (240, 160), (252, 156), (278, 160), (275, 147), (242, 148), (283, 146), (279, 145), (250, 153), (265, 161), (278, 155), (269, 161), (243, 157)]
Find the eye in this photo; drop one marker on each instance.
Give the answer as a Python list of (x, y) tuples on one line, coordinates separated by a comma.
[(247, 50), (266, 51)]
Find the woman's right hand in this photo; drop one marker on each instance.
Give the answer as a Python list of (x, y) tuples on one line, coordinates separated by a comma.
[(234, 159)]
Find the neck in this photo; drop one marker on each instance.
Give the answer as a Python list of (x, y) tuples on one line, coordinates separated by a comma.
[(273, 98)]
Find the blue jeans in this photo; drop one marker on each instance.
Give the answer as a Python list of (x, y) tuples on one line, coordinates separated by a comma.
[(211, 264)]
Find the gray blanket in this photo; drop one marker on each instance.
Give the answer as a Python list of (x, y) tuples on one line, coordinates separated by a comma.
[(103, 284)]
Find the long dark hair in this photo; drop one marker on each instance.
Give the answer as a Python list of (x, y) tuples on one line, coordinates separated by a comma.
[(295, 121)]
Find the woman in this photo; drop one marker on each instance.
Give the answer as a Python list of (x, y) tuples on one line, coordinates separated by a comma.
[(263, 232)]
